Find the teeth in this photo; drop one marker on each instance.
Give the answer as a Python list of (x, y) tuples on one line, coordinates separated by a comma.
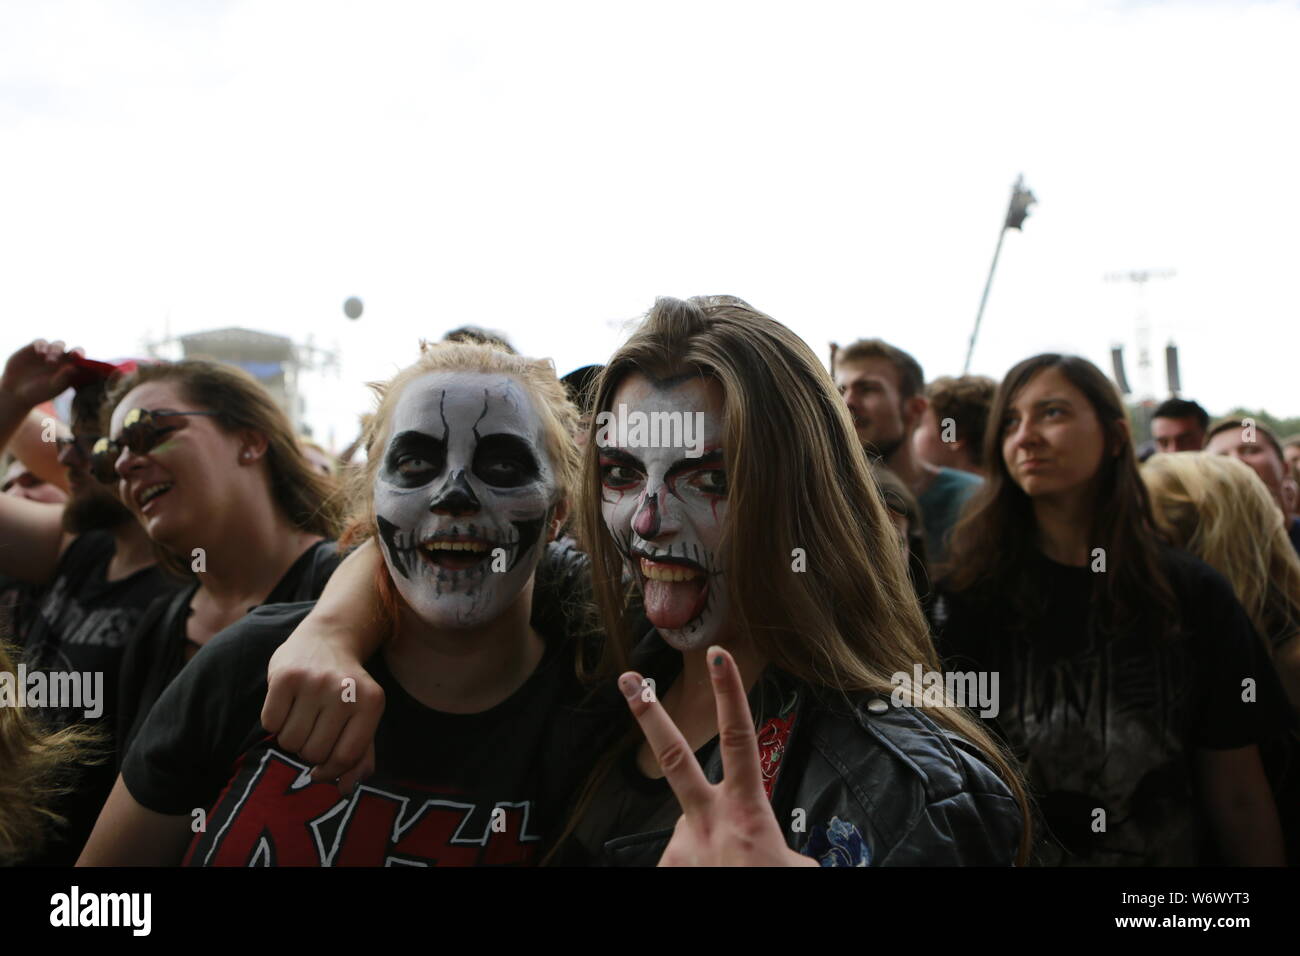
[(152, 492), (454, 546), (667, 572)]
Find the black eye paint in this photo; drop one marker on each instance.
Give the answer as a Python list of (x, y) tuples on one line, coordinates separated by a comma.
[(505, 461), (411, 445)]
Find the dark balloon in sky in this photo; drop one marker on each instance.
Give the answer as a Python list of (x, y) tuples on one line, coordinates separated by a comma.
[(352, 308)]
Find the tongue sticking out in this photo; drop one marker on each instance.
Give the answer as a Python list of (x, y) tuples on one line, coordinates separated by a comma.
[(673, 604)]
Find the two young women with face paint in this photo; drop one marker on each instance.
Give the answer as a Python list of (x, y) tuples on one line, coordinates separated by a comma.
[(768, 568)]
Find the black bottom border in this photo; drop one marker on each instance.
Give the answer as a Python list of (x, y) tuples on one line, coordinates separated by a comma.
[(382, 907)]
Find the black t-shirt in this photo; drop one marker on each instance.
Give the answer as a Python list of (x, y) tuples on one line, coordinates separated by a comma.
[(626, 802), (449, 789), (80, 622), (13, 595), (156, 652), (1111, 724)]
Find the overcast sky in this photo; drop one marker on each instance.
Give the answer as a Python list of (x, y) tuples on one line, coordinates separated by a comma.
[(548, 168)]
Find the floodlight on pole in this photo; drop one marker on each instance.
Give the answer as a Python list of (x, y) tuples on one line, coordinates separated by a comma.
[(1017, 212)]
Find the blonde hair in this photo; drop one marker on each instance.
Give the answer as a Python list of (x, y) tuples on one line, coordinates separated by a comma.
[(1217, 508), (35, 767), (537, 376)]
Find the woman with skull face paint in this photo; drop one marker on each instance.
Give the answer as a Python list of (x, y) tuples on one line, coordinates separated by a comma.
[(754, 527), (782, 611), (470, 462)]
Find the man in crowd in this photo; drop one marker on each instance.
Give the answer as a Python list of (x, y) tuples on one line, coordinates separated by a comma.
[(1291, 451), (883, 387), (89, 567), (1256, 446), (951, 433), (1179, 425)]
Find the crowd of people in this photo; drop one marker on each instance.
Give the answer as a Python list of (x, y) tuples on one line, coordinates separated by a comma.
[(709, 603)]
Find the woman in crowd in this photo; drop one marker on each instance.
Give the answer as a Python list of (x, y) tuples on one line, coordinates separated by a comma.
[(1121, 660), (209, 465), (780, 599), (1218, 509), (471, 462)]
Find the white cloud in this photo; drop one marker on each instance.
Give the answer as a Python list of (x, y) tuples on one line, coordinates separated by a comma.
[(547, 169)]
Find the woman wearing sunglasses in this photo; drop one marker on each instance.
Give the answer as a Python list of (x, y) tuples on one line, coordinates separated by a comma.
[(210, 466), (780, 601)]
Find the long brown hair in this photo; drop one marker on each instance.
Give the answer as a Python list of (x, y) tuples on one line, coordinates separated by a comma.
[(994, 545), (308, 499), (798, 479)]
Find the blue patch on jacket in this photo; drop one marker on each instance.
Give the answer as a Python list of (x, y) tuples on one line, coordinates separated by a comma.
[(840, 844)]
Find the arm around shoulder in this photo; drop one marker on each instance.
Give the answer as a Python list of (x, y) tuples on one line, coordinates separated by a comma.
[(320, 702)]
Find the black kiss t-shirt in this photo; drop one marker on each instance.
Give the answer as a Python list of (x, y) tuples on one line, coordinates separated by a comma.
[(448, 790)]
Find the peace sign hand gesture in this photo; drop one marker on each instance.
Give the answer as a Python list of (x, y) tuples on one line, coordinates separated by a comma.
[(726, 824)]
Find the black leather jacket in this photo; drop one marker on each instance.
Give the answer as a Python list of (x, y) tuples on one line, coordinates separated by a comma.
[(857, 781), (853, 781)]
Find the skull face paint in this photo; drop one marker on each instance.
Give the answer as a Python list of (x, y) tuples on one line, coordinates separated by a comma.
[(465, 472), (665, 510)]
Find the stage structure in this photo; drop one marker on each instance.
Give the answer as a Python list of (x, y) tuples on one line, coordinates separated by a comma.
[(276, 361)]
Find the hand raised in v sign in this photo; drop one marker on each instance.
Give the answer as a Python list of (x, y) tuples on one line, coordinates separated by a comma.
[(726, 824)]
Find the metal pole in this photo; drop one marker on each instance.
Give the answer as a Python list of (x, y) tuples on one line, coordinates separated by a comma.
[(983, 299)]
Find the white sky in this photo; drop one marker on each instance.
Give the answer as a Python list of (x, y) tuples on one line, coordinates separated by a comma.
[(547, 169)]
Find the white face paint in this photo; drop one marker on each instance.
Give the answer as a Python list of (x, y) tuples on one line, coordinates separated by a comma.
[(665, 510), (462, 496)]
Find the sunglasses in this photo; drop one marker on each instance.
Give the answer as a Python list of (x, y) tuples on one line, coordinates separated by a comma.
[(141, 433)]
